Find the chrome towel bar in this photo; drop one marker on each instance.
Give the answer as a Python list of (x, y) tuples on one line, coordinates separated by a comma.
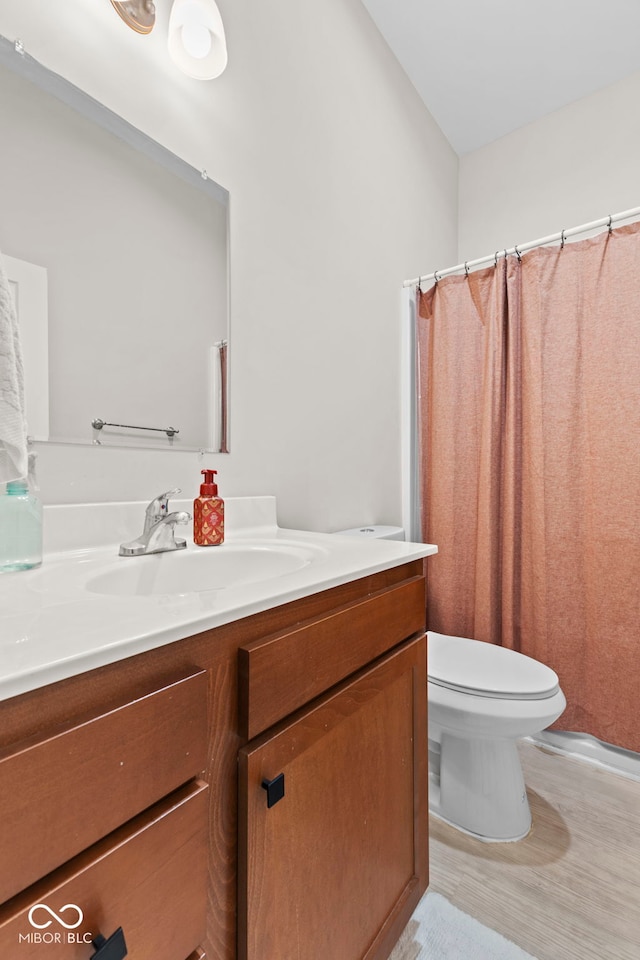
[(98, 424)]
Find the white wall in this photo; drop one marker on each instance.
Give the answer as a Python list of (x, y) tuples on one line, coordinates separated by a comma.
[(576, 165), (341, 187)]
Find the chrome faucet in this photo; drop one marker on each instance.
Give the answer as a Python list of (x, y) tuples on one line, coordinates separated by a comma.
[(158, 535)]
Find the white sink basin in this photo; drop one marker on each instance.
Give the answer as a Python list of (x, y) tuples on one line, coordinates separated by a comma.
[(201, 569)]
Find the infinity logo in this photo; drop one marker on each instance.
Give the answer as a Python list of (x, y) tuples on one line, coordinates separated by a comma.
[(56, 916)]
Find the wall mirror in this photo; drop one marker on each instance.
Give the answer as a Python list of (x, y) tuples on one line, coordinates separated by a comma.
[(118, 256)]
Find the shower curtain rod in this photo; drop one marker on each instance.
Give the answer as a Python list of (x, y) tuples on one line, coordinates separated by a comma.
[(520, 248)]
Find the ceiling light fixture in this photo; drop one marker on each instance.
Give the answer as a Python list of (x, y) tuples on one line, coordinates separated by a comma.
[(196, 42), (140, 15)]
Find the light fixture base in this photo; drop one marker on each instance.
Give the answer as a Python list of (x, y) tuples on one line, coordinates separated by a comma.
[(140, 15)]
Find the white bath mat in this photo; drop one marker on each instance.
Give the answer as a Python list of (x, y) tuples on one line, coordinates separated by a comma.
[(439, 931)]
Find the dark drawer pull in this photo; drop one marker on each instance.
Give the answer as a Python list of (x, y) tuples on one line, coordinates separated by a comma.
[(274, 788), (114, 948)]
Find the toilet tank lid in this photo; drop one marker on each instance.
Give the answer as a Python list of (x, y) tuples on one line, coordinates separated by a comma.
[(374, 532), (487, 670)]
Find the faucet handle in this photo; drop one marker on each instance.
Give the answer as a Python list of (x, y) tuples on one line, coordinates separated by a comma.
[(158, 507)]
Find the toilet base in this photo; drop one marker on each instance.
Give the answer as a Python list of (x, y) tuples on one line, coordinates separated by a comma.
[(479, 788), (434, 811)]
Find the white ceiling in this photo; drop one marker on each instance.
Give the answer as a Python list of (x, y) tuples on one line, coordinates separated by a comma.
[(487, 67)]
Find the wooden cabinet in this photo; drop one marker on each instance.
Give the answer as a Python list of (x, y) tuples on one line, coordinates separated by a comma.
[(119, 788), (327, 868)]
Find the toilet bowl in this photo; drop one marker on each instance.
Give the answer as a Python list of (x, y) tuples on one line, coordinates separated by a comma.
[(481, 699)]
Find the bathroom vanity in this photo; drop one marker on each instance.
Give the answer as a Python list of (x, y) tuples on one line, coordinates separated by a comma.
[(247, 779)]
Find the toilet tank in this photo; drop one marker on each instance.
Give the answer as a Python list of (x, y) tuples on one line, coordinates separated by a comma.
[(374, 532)]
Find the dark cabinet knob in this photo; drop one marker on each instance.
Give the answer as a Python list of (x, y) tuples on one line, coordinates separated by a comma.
[(274, 788), (114, 948)]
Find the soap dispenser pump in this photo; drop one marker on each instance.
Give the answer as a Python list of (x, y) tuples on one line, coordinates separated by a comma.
[(208, 513)]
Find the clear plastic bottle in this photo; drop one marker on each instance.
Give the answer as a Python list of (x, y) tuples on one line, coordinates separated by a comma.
[(21, 524)]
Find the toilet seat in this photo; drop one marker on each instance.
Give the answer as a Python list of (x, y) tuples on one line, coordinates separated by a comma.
[(486, 670)]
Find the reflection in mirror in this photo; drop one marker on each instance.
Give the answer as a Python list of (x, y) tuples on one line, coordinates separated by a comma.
[(131, 244)]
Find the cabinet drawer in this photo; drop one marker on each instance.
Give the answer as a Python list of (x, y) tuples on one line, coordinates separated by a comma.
[(280, 673), (148, 877), (62, 793)]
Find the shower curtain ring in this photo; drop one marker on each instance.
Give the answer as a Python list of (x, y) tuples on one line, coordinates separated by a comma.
[(466, 269), (518, 254), (562, 240), (495, 259), (435, 276), (610, 227)]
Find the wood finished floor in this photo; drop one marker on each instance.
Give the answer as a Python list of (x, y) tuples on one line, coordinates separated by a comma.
[(571, 889)]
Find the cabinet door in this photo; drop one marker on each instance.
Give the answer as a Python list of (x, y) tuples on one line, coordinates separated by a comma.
[(335, 867)]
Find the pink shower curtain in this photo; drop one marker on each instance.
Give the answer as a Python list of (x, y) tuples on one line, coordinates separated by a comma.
[(530, 431)]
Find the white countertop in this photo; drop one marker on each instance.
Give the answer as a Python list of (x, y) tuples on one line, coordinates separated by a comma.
[(53, 623)]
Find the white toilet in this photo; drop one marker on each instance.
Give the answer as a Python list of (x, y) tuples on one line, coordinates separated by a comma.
[(482, 698)]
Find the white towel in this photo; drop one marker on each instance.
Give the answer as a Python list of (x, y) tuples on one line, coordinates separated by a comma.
[(13, 426)]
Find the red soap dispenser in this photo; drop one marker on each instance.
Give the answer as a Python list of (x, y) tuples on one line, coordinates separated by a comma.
[(208, 513)]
